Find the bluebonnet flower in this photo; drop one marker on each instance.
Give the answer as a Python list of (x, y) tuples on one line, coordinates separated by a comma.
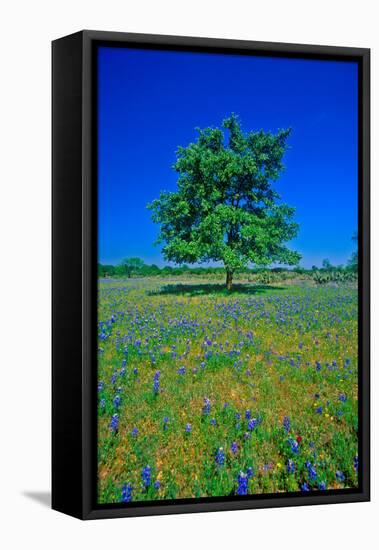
[(249, 472), (213, 422), (304, 487), (311, 471), (102, 403), (134, 432), (340, 476), (318, 366), (342, 397), (126, 493), (157, 484), (188, 428), (202, 365), (182, 370), (226, 405), (220, 457), (166, 420), (291, 467), (100, 386), (146, 476), (234, 447), (135, 371), (113, 425), (247, 435), (242, 484), (117, 401), (286, 423), (248, 414), (157, 376), (123, 371), (356, 463), (252, 424), (319, 410), (322, 486), (206, 406), (238, 416), (294, 445), (114, 378)]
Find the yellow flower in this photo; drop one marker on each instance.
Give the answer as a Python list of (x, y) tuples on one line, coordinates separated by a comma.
[(326, 414), (279, 465)]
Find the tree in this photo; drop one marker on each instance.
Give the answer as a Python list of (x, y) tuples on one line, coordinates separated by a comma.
[(353, 261), (225, 208), (130, 265)]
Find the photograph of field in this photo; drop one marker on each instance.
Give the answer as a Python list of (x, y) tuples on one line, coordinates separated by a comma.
[(227, 275)]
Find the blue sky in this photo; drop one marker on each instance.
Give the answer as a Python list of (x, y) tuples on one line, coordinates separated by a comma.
[(149, 103)]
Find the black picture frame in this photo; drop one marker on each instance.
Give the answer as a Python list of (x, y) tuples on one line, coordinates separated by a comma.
[(74, 206)]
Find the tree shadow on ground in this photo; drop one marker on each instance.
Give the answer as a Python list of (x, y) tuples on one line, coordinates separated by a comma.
[(213, 289)]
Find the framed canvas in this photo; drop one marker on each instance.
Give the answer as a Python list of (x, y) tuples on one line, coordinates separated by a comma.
[(210, 275)]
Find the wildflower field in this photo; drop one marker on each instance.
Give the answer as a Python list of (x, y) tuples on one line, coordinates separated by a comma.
[(207, 393)]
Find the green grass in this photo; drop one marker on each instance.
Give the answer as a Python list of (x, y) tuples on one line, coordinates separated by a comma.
[(265, 345)]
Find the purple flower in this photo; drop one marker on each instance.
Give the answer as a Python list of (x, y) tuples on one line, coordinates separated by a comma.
[(249, 472), (157, 484), (286, 423), (113, 425), (234, 447), (340, 476), (319, 410), (342, 397), (206, 406), (157, 376), (242, 484), (252, 424), (294, 445), (126, 492), (134, 432), (188, 428), (182, 370), (311, 471), (117, 401), (291, 467), (220, 457), (146, 476)]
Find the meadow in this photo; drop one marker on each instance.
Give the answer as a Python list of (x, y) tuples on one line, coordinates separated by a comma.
[(206, 393)]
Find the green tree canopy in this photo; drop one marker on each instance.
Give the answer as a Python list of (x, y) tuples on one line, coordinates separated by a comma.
[(225, 208), (130, 265)]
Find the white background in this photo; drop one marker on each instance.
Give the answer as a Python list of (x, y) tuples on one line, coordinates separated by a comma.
[(27, 27)]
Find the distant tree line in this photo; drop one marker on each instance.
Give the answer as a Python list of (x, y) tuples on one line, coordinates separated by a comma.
[(136, 267)]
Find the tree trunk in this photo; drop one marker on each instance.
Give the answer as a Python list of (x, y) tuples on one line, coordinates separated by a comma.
[(229, 279)]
